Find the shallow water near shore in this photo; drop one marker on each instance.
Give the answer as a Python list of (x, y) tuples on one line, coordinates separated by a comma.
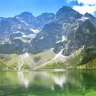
[(48, 83)]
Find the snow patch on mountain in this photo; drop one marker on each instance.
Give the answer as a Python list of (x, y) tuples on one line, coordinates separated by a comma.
[(17, 32), (62, 40), (59, 55), (26, 38), (35, 31), (41, 37), (83, 19), (22, 21), (52, 49)]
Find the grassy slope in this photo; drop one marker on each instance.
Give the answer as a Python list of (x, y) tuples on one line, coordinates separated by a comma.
[(43, 57), (69, 62), (11, 61)]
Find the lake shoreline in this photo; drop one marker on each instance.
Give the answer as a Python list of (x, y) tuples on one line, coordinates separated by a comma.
[(54, 70)]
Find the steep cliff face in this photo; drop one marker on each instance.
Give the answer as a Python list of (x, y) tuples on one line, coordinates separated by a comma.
[(67, 37), (19, 31), (64, 33), (69, 32)]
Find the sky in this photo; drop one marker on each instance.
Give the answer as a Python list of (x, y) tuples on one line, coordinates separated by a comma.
[(10, 8)]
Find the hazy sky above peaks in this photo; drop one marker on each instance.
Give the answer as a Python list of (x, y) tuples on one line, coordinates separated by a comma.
[(10, 8)]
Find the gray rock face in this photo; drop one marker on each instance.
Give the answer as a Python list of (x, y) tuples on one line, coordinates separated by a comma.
[(68, 30), (67, 13), (19, 31)]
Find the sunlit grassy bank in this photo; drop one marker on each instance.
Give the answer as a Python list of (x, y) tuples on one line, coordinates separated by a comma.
[(45, 60)]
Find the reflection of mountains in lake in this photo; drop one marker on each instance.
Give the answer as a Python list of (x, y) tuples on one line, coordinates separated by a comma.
[(43, 83)]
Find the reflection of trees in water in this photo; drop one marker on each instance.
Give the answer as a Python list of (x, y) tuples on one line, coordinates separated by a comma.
[(89, 79)]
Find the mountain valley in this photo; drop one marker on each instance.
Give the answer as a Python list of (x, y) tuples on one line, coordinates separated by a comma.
[(66, 39)]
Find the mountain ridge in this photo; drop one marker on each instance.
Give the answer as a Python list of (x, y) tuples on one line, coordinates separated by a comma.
[(67, 34)]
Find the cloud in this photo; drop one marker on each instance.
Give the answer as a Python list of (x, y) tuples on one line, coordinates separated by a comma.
[(88, 2), (88, 6), (85, 8)]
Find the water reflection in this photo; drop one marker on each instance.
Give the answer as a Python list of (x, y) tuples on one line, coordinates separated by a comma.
[(23, 80), (59, 80), (41, 83), (47, 79)]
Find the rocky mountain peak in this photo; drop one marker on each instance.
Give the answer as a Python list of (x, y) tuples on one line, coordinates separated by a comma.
[(68, 13), (89, 16), (26, 14), (46, 16)]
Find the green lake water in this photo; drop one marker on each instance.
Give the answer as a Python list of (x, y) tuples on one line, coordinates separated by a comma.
[(48, 83)]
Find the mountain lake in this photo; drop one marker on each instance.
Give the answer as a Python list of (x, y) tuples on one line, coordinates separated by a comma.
[(48, 83)]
